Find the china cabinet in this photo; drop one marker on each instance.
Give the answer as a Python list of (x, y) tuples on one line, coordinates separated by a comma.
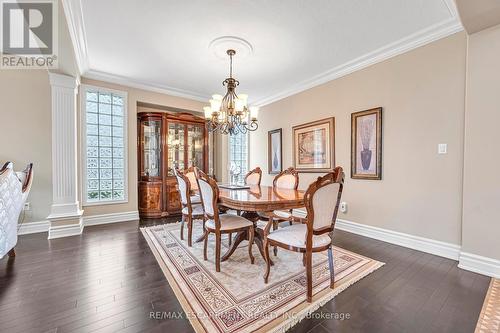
[(166, 140)]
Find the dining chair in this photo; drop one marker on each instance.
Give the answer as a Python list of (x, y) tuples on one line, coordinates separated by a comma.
[(286, 179), (190, 210), (189, 173), (219, 223), (253, 177), (322, 200)]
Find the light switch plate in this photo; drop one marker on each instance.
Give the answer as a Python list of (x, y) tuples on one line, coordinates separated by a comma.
[(442, 148)]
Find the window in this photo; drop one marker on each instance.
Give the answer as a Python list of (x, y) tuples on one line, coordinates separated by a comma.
[(104, 145), (238, 154)]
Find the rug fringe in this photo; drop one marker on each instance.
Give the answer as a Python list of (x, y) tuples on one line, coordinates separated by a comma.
[(297, 318)]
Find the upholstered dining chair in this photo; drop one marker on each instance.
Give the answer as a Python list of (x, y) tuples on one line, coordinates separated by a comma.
[(189, 173), (322, 200), (219, 223), (253, 177), (190, 211), (286, 179)]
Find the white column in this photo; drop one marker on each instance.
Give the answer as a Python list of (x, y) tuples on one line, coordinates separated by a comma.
[(65, 213)]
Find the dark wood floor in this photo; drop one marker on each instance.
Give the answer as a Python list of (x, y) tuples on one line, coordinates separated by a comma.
[(107, 280)]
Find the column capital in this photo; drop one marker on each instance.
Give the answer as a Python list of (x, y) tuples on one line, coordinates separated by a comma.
[(63, 81)]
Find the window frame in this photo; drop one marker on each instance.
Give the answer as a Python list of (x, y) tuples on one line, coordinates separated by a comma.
[(83, 143), (247, 134)]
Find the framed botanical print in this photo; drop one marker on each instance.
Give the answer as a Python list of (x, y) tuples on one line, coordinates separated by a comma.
[(366, 144), (314, 146), (274, 152)]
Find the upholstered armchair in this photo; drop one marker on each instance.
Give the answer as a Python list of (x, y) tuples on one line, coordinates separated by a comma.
[(322, 200), (14, 190)]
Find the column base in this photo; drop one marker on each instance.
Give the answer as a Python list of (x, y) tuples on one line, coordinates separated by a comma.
[(65, 225)]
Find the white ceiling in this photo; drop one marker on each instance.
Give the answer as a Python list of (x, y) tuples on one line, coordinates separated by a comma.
[(163, 44)]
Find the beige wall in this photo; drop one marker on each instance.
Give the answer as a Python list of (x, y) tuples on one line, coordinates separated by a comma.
[(134, 96), (481, 210), (422, 94), (25, 132)]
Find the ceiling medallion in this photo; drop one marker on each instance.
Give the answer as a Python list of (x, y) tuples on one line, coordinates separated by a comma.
[(230, 114)]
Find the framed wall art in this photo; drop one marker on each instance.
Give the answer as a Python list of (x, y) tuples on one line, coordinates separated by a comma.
[(274, 152), (314, 146), (366, 144)]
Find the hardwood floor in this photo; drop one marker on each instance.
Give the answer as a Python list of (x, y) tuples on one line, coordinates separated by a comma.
[(107, 280)]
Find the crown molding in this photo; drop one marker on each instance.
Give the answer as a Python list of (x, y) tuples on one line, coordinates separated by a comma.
[(420, 38), (124, 81), (74, 18)]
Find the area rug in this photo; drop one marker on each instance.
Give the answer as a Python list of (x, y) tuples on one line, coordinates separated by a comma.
[(489, 319), (237, 299)]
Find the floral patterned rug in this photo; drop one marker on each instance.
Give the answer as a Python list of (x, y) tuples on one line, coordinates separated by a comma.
[(237, 299), (489, 319)]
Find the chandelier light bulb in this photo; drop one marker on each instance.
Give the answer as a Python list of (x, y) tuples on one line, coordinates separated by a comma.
[(208, 112), (239, 105), (254, 112)]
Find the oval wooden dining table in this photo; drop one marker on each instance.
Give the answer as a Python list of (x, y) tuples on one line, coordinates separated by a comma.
[(251, 201)]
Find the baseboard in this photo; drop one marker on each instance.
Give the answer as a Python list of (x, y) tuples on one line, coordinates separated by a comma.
[(110, 218), (27, 228), (65, 230), (479, 264), (75, 229), (443, 249)]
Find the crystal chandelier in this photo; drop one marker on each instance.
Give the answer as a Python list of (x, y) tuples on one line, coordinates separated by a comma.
[(230, 114)]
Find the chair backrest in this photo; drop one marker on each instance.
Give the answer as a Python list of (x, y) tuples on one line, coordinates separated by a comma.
[(288, 178), (253, 177), (189, 173), (209, 194), (184, 188), (322, 200)]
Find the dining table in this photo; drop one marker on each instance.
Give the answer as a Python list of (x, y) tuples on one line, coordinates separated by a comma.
[(254, 199)]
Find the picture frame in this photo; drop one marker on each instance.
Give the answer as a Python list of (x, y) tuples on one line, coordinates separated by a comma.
[(314, 146), (366, 144), (274, 151)]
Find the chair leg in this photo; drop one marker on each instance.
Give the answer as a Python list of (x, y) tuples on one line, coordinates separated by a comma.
[(12, 253), (190, 230), (238, 212), (230, 238), (250, 244), (205, 242), (309, 275), (217, 251), (267, 259), (275, 227), (332, 267), (182, 226), (291, 220), (304, 259)]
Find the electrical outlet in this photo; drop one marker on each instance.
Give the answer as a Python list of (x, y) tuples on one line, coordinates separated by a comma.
[(26, 206), (442, 148), (343, 207)]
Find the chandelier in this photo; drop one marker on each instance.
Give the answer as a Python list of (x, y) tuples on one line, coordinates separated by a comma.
[(230, 114)]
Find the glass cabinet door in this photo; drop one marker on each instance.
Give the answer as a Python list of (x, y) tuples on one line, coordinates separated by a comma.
[(175, 142), (151, 164), (195, 145)]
